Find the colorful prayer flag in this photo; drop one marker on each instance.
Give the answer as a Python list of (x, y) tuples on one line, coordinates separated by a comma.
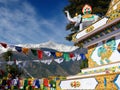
[(4, 45), (45, 82), (25, 50), (19, 49), (34, 52), (66, 56), (53, 54), (59, 60), (48, 53), (82, 56), (58, 54), (71, 55), (40, 54)]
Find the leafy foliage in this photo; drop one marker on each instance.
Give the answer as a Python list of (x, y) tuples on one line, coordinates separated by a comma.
[(8, 55), (13, 69)]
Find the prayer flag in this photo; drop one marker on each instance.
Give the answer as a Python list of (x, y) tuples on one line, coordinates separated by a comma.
[(82, 56), (40, 54), (4, 45), (53, 54), (58, 54), (71, 55), (34, 52), (66, 56), (59, 60), (25, 50), (52, 84), (45, 82), (48, 53), (37, 83), (19, 49), (78, 57)]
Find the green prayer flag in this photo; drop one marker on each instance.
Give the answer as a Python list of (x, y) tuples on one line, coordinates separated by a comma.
[(66, 56), (53, 84), (45, 88), (34, 52), (25, 83)]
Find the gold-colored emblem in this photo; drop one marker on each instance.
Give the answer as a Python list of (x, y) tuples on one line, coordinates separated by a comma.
[(89, 29), (75, 84)]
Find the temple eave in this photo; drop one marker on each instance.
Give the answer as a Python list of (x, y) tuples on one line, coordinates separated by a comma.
[(97, 31)]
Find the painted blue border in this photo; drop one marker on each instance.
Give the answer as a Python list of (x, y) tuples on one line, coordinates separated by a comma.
[(115, 81)]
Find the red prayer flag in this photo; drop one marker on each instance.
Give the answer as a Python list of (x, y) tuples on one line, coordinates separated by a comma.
[(45, 82), (4, 45), (71, 55), (40, 54)]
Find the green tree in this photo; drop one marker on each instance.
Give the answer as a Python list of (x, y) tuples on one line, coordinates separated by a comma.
[(99, 7), (13, 69), (8, 55)]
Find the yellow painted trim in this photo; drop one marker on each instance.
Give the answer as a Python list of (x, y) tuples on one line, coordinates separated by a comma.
[(102, 65), (93, 76)]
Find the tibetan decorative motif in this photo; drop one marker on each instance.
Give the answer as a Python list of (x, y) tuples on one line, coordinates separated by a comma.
[(89, 29), (74, 37), (115, 14), (115, 4), (88, 55), (106, 82), (75, 84)]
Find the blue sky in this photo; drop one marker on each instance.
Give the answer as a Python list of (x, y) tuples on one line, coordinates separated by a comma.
[(33, 21)]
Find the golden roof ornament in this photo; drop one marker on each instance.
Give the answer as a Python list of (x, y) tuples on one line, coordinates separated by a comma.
[(114, 10)]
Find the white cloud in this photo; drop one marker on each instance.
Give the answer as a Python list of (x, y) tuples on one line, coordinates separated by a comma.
[(19, 23)]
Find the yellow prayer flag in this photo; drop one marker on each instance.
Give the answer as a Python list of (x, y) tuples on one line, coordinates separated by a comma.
[(25, 50), (59, 54)]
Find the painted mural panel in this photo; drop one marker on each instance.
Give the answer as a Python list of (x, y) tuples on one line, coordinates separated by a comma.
[(99, 82), (105, 52)]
